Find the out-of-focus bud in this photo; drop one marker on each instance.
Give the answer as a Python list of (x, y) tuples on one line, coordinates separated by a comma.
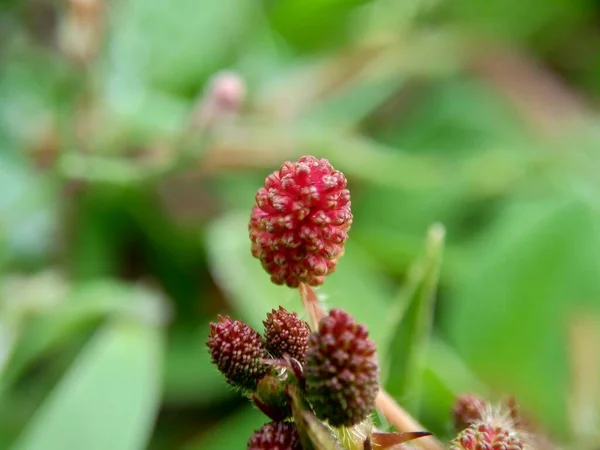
[(222, 99), (468, 408)]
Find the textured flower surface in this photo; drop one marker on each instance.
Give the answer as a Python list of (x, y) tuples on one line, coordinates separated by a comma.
[(275, 436), (485, 436), (342, 376), (286, 334), (237, 350), (300, 222), (468, 408)]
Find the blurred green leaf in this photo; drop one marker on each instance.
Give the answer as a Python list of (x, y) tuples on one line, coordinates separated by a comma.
[(241, 277), (458, 115), (355, 282), (311, 24), (411, 321), (314, 434), (445, 376), (232, 432), (82, 307), (21, 297), (34, 86), (537, 21), (351, 104), (144, 33), (96, 239), (451, 370), (538, 265), (27, 218), (108, 399), (190, 377)]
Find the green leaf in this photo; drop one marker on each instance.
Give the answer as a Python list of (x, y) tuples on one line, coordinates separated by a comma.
[(190, 377), (446, 375), (314, 434), (232, 432), (349, 105), (355, 284), (411, 320), (144, 31), (27, 216), (540, 22), (66, 315), (536, 268), (328, 21), (109, 397)]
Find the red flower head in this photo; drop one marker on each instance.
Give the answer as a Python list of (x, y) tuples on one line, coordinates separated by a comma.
[(342, 376), (237, 350), (300, 222), (276, 436)]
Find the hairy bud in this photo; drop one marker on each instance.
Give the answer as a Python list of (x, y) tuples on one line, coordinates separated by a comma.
[(468, 409)]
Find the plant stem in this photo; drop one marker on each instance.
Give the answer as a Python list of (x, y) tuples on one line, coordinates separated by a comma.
[(311, 304), (403, 421), (393, 412)]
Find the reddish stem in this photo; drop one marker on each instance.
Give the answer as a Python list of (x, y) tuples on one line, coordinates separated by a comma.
[(311, 304)]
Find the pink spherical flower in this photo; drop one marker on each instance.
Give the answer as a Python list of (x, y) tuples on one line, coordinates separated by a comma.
[(300, 222)]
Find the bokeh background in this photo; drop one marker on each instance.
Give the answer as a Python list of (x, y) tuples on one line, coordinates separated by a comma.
[(134, 133)]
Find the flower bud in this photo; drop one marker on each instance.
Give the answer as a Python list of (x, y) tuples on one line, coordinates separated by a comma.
[(276, 436), (286, 334), (237, 350), (222, 99), (300, 222), (468, 408), (487, 436), (342, 376)]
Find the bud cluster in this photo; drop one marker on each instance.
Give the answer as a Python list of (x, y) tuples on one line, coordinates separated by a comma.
[(337, 364), (242, 354), (318, 388)]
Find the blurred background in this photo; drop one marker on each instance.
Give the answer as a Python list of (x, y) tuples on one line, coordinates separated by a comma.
[(134, 134)]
